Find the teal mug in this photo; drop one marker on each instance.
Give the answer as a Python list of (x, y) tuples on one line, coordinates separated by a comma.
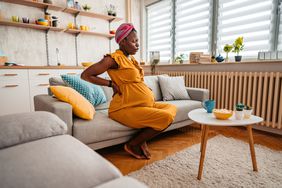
[(209, 105)]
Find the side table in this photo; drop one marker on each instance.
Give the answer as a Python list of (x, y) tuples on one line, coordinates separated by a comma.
[(207, 119)]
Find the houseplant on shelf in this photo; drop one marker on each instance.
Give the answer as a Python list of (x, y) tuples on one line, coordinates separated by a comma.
[(227, 48), (111, 10), (238, 46), (86, 7), (180, 59)]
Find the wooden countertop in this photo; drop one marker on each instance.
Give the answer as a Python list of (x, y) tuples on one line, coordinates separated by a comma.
[(41, 67), (257, 62)]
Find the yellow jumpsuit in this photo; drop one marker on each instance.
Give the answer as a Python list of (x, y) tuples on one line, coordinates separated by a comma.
[(136, 107)]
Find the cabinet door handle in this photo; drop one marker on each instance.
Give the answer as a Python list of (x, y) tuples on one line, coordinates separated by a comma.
[(11, 85), (43, 84), (43, 74), (71, 73), (10, 74)]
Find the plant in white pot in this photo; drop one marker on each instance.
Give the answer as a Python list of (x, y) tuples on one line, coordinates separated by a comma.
[(239, 112), (238, 46)]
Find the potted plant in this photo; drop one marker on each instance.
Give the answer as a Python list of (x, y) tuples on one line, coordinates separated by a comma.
[(248, 110), (227, 48), (111, 10), (239, 113), (180, 59), (237, 47), (86, 7)]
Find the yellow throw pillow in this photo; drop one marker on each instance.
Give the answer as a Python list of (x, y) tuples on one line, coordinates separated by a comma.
[(81, 107)]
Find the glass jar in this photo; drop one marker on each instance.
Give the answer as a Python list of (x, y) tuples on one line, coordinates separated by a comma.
[(48, 18)]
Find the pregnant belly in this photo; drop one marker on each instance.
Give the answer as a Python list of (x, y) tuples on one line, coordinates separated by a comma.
[(136, 94)]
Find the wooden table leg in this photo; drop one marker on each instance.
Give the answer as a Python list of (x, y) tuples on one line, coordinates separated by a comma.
[(252, 149), (203, 152), (202, 136)]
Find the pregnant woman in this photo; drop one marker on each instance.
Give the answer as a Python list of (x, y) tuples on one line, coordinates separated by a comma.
[(133, 103)]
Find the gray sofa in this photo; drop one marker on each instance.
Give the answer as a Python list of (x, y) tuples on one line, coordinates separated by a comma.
[(36, 152), (102, 131)]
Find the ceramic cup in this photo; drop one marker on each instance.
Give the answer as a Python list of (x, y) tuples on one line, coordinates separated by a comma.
[(209, 105), (15, 19), (239, 115), (25, 19)]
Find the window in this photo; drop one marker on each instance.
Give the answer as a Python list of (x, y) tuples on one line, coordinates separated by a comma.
[(280, 28), (248, 18), (192, 26), (159, 29), (177, 27)]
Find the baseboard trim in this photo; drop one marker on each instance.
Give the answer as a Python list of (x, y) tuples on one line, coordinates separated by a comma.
[(268, 129)]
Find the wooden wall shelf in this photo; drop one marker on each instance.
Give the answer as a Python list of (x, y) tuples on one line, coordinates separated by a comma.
[(32, 26), (76, 31), (91, 14), (73, 11), (31, 3)]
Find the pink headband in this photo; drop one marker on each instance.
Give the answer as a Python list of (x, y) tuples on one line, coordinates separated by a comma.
[(123, 31)]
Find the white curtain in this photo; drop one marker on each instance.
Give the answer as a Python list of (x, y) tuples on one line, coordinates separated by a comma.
[(248, 18), (159, 29)]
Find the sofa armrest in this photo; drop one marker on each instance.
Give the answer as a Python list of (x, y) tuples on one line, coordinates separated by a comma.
[(198, 94), (26, 127), (61, 109)]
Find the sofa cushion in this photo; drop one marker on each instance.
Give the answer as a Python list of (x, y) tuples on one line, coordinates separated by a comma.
[(101, 128), (183, 108), (103, 106), (108, 91), (93, 93), (81, 107), (58, 161), (153, 83), (57, 81), (25, 127), (173, 88)]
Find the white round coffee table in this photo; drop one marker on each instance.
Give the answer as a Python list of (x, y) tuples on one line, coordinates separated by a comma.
[(207, 119)]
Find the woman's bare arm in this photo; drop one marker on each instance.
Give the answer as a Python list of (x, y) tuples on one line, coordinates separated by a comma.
[(92, 72)]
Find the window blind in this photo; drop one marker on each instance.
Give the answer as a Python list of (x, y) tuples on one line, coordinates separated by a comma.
[(159, 29), (248, 18), (280, 29), (192, 26)]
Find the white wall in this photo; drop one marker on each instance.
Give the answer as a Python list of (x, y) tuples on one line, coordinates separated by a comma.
[(136, 20), (27, 46)]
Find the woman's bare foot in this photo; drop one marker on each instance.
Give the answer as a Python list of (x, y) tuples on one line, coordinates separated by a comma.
[(135, 151), (145, 150)]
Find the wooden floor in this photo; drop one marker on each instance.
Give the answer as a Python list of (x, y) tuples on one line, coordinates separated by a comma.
[(170, 142)]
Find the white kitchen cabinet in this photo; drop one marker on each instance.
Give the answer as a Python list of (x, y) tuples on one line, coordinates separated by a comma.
[(19, 86), (14, 91), (39, 80)]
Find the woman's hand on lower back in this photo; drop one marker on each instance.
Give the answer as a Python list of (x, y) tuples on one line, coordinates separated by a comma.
[(116, 89)]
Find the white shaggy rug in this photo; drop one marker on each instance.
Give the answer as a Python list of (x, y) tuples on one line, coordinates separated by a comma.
[(227, 164)]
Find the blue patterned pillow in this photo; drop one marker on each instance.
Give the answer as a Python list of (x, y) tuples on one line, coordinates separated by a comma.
[(93, 93)]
